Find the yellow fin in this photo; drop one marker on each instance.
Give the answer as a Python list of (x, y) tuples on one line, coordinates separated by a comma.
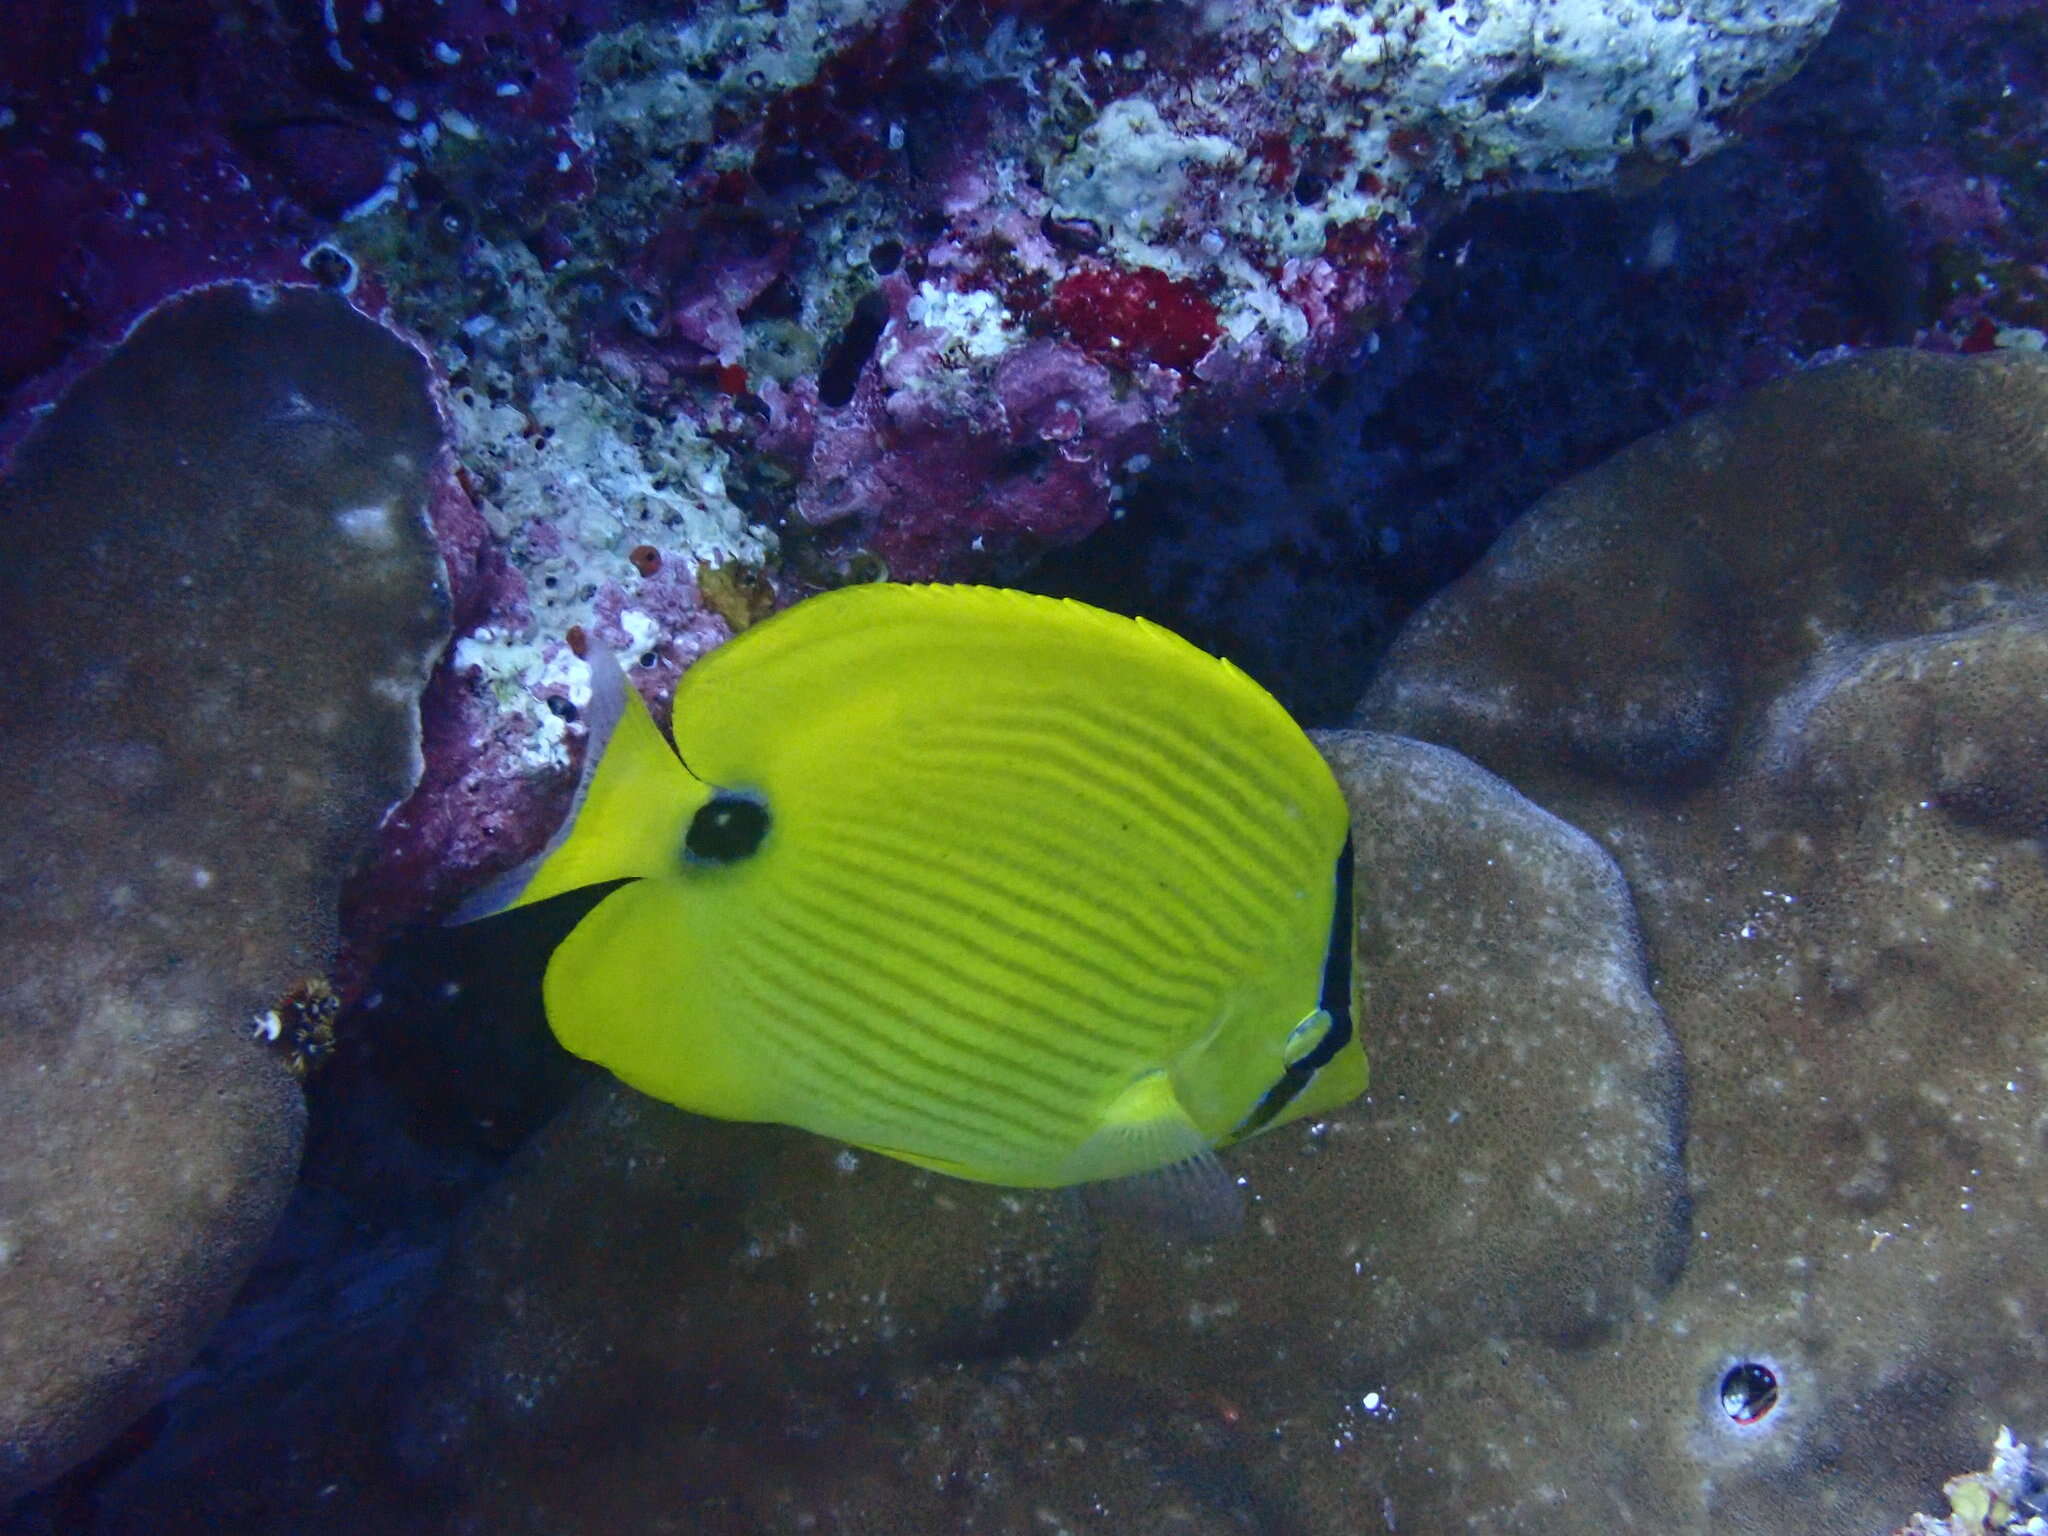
[(1144, 1128)]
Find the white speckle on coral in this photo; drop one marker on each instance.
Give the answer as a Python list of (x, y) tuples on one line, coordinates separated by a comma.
[(662, 81), (1557, 91), (975, 324), (642, 633), (521, 676), (388, 193), (374, 527), (1129, 172), (1257, 308)]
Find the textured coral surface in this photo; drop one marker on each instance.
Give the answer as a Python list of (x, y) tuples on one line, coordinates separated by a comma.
[(1786, 663)]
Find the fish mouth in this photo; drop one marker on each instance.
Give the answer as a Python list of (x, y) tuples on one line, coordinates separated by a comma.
[(1335, 1001)]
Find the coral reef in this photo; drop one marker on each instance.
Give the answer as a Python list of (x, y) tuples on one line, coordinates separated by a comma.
[(221, 600), (1891, 194), (1785, 663), (948, 286), (834, 287), (758, 300), (1698, 1187)]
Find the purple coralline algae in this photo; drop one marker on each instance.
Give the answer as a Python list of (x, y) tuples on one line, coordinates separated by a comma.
[(1912, 191), (795, 295)]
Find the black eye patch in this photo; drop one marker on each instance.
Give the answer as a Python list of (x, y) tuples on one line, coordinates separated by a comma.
[(726, 829)]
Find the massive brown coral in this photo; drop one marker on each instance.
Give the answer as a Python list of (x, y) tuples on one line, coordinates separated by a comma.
[(1789, 662), (219, 597)]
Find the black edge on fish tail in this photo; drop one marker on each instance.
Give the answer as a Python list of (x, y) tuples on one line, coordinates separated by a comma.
[(1335, 1000)]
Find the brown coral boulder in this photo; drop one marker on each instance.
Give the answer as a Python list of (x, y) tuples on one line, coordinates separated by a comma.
[(654, 1309), (220, 597), (1789, 663)]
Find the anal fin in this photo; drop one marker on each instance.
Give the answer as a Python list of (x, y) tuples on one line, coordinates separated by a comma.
[(1194, 1200), (1149, 1163)]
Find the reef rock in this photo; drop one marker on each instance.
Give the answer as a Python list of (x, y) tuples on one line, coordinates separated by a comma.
[(748, 299), (221, 598), (1786, 663), (655, 1308)]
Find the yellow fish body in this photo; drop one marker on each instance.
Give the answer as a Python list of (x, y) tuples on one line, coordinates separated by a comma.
[(1001, 885)]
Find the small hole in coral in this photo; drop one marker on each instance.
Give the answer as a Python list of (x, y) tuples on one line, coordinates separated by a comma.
[(844, 361), (1516, 90), (331, 268), (1749, 1392)]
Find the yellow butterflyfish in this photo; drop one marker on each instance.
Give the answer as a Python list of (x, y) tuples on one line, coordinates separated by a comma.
[(1001, 885)]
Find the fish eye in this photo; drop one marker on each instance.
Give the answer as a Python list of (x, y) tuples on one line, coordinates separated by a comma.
[(1306, 1036), (728, 827)]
